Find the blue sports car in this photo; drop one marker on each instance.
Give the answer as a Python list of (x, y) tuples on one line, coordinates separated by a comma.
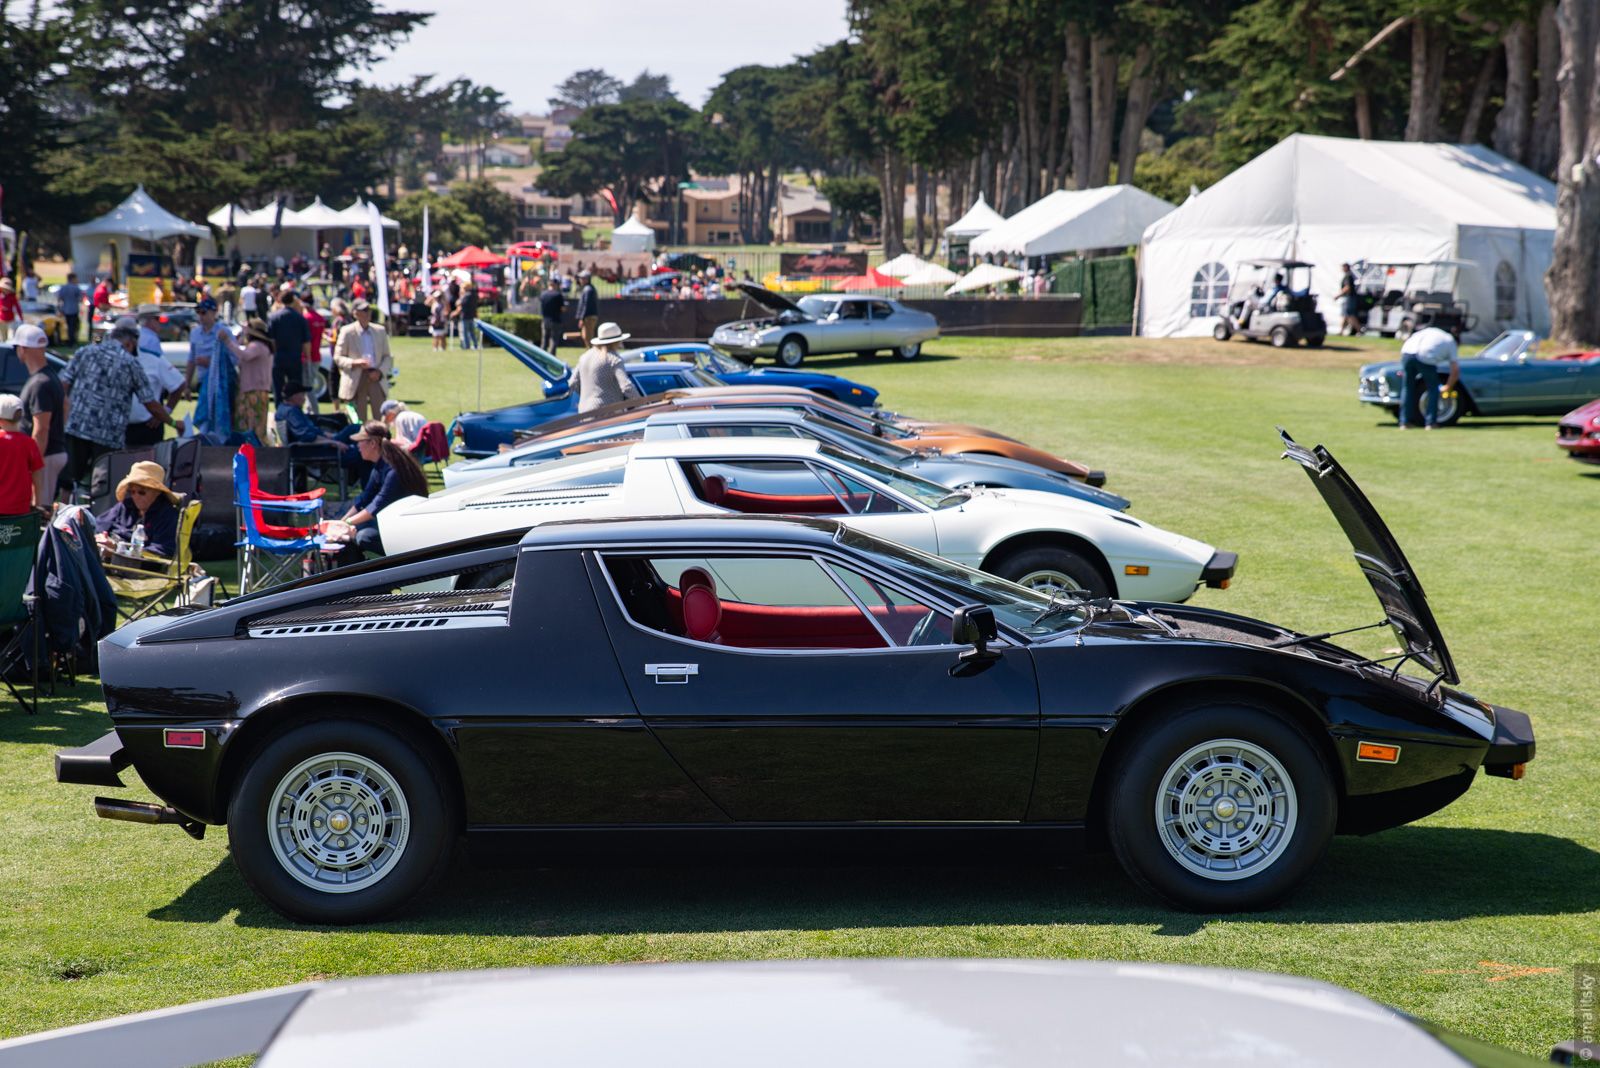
[(482, 433), (1508, 377), (734, 372)]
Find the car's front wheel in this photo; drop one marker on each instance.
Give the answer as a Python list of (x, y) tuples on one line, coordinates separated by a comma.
[(1451, 408), (1222, 331), (1220, 807), (1049, 570), (909, 351), (341, 821), (1281, 338), (792, 351)]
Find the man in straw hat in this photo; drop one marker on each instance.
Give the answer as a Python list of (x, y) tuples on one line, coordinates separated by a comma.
[(601, 378), (142, 498)]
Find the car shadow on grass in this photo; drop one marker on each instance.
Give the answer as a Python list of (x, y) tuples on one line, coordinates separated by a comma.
[(71, 716), (1411, 874), (832, 363)]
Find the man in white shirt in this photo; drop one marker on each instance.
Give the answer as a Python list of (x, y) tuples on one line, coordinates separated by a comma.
[(248, 297), (1425, 353), (164, 378)]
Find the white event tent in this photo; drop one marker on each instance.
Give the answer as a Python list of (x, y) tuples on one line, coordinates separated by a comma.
[(930, 274), (902, 265), (983, 276), (633, 236), (298, 228), (138, 218), (1073, 220), (1331, 200), (979, 219)]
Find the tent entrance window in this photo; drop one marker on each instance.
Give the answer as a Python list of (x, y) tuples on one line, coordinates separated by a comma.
[(1505, 292), (1208, 294)]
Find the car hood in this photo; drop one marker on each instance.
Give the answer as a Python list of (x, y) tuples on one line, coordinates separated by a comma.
[(765, 297), (531, 356), (1379, 556), (1584, 415), (975, 468)]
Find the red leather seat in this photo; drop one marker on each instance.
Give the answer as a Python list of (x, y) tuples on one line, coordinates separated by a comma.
[(714, 488), (702, 609)]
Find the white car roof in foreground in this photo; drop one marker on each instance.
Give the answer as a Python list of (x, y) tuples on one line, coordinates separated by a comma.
[(932, 1013), (690, 448)]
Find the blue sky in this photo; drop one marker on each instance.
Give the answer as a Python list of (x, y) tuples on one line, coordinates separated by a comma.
[(525, 49)]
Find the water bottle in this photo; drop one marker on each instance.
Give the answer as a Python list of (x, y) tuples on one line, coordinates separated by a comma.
[(137, 544)]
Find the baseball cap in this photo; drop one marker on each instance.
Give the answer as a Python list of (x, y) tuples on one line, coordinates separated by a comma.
[(10, 406), (206, 304), (125, 322), (29, 336), (388, 406)]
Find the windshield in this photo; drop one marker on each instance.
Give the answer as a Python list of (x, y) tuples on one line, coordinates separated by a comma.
[(1016, 607), (698, 377), (1509, 344), (928, 494), (861, 442), (718, 363), (816, 307)]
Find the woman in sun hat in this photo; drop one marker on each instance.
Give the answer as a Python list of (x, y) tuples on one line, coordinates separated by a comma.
[(250, 407), (143, 497), (601, 378)]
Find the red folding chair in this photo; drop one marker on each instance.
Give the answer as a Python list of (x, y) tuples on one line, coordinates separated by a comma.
[(259, 496), (432, 445)]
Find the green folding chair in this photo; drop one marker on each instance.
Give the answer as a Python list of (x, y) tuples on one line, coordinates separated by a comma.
[(19, 553)]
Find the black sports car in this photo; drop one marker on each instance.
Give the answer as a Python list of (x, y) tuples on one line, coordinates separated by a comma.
[(779, 674)]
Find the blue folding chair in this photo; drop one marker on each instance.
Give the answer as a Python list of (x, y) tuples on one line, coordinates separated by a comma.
[(277, 554)]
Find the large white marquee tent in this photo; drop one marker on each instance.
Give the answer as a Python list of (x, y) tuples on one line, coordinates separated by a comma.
[(138, 218), (1074, 220), (1332, 200)]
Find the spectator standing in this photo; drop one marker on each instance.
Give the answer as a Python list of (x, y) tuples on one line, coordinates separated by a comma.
[(10, 309), (551, 306), (601, 378), (588, 308), (249, 296), (405, 426), (1349, 302), (291, 342), (467, 314), (164, 379), (43, 404), (227, 297), (358, 288), (207, 339), (102, 294), (317, 323), (100, 381), (21, 465), (1426, 353), (69, 302), (452, 298), (326, 256), (30, 285), (362, 355), (395, 474), (438, 324), (255, 381)]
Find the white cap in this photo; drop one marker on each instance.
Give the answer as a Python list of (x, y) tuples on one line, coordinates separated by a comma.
[(10, 407), (29, 336)]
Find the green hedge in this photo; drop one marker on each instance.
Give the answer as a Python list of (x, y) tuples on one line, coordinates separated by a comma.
[(524, 326), (1106, 286)]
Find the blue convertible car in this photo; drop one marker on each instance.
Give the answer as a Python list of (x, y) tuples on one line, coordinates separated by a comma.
[(733, 372), (1508, 377), (482, 433)]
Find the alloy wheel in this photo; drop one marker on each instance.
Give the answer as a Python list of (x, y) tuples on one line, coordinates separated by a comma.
[(1226, 809), (339, 822)]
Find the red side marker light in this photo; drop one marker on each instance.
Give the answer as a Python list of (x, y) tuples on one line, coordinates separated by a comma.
[(185, 739), (1379, 754)]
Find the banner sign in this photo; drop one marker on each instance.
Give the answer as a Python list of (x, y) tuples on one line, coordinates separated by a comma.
[(144, 270), (821, 264), (214, 271)]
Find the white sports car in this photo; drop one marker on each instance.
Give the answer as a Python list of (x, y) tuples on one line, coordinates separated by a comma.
[(1042, 540)]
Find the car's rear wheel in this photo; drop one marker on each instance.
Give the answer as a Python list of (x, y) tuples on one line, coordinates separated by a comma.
[(341, 821), (909, 351), (792, 351), (1451, 408), (1281, 337), (1050, 569), (1222, 331), (1220, 806), (1315, 341)]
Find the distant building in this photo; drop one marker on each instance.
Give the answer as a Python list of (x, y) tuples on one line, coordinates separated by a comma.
[(507, 154), (804, 217), (711, 214)]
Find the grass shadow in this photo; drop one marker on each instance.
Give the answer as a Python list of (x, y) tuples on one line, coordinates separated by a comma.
[(72, 716), (1412, 874)]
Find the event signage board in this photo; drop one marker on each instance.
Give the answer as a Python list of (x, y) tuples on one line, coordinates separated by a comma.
[(821, 264), (144, 270), (214, 271)]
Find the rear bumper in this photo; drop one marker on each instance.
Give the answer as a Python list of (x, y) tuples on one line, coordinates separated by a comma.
[(95, 764), (1219, 569), (1512, 745)]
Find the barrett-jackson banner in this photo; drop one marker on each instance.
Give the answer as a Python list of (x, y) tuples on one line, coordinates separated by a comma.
[(821, 264)]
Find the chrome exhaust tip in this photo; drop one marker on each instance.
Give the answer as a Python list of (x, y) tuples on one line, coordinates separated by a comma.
[(113, 808)]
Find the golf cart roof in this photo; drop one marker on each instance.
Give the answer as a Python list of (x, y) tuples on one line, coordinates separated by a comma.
[(1420, 263), (1278, 263)]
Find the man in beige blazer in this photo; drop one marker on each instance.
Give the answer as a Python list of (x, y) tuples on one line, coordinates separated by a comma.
[(362, 353)]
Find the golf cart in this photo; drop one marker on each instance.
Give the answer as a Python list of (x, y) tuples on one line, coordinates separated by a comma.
[(1271, 300), (1396, 296)]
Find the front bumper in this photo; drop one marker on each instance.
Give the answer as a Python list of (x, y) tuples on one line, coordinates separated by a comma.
[(743, 346), (1512, 745), (95, 764), (1218, 571)]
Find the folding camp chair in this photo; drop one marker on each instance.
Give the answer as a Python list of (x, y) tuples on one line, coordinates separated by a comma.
[(432, 445), (269, 553), (150, 591), (19, 555)]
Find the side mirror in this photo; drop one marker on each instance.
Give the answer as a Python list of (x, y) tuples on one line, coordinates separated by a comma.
[(973, 625)]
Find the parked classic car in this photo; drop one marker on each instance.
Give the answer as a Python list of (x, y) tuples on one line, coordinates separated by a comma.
[(1506, 377), (1579, 433), (346, 749), (825, 323), (477, 434), (952, 472), (732, 372), (845, 1012), (950, 439), (1041, 540)]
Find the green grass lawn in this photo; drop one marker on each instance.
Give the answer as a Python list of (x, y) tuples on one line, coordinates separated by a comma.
[(1473, 918)]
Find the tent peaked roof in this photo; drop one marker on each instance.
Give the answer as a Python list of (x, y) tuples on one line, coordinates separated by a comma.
[(634, 225), (902, 265), (979, 219), (982, 276), (930, 274), (357, 215), (1072, 219), (318, 216), (140, 216), (1309, 180)]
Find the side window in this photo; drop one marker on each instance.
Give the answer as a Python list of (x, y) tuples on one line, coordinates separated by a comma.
[(744, 602), (656, 381), (905, 619), (853, 309), (862, 498), (746, 431), (881, 309), (763, 487), (1208, 291)]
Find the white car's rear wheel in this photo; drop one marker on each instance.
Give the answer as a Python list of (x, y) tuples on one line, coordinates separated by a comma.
[(792, 351)]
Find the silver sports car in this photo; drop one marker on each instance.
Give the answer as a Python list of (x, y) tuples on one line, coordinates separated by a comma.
[(822, 323)]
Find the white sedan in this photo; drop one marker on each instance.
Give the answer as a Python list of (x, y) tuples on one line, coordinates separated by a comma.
[(1045, 541)]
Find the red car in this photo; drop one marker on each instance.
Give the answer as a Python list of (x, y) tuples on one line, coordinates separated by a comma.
[(1579, 433)]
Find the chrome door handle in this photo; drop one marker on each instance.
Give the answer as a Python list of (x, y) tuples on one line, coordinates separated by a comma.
[(671, 674)]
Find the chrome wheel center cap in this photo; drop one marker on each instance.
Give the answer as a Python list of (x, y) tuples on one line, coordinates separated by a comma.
[(1224, 808), (339, 822)]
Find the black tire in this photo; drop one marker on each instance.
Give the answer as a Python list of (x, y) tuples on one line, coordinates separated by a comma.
[(1281, 338), (1140, 777), (791, 351), (908, 352), (1222, 331), (434, 822), (1315, 341), (1019, 566)]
